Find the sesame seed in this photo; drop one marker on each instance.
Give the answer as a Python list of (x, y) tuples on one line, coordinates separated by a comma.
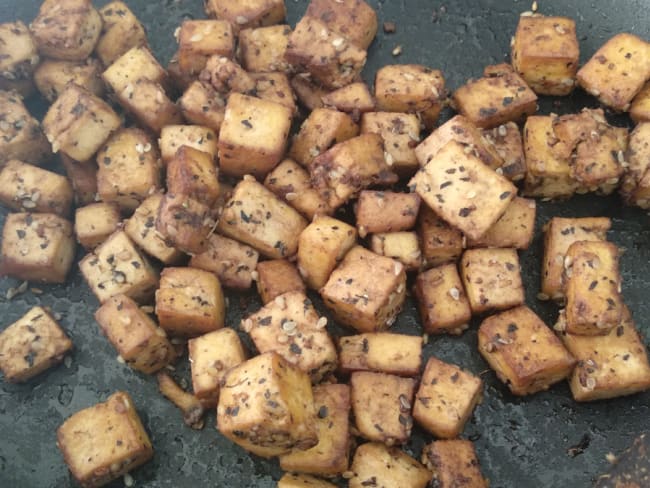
[(542, 296), (196, 38), (389, 158), (322, 323), (338, 42), (397, 51), (404, 403), (502, 130), (559, 29), (289, 326), (568, 260), (347, 475), (471, 194), (590, 384), (241, 20), (454, 293), (128, 480), (255, 275), (120, 359), (362, 232), (291, 196)]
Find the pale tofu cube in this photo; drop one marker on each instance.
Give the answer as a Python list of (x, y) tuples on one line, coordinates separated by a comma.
[(401, 135), (515, 228), (275, 87), (52, 75), (401, 246), (94, 223), (385, 466), (21, 136), (121, 31), (18, 57), (385, 211), (202, 105), (173, 137), (200, 39), (396, 354), (354, 99)]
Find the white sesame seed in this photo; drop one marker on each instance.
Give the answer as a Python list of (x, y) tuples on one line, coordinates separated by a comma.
[(196, 37), (534, 7), (289, 326), (389, 158), (590, 384), (241, 20), (362, 232), (322, 323), (291, 196), (559, 29), (128, 480), (255, 275), (542, 296), (120, 359), (338, 42), (397, 51), (454, 293), (502, 130)]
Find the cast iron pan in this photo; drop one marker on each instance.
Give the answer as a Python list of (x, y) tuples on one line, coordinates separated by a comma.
[(545, 440)]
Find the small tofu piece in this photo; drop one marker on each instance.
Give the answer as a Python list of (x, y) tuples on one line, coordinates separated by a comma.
[(635, 189), (253, 136), (507, 142), (640, 107), (248, 14), (104, 442), (275, 87), (401, 134), (523, 351), (211, 356), (454, 462), (18, 57), (515, 228), (173, 137), (597, 165), (78, 123), (355, 20), (51, 77), (185, 223), (200, 39), (446, 398), (402, 246), (386, 211), (395, 354), (187, 403), (440, 243), (545, 53), (117, 267), (136, 337), (617, 71), (386, 466), (500, 96), (67, 29), (233, 262), (308, 93), (276, 277), (32, 344), (332, 60), (442, 302), (226, 76), (189, 302), (94, 223), (354, 99), (292, 480), (266, 406), (262, 50), (366, 291), (203, 105), (36, 247), (121, 31), (83, 177), (458, 186), (21, 136), (193, 172)]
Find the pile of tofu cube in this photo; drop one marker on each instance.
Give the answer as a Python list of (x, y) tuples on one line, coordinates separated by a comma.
[(179, 182)]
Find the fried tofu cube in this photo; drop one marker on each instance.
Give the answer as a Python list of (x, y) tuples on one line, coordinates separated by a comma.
[(52, 76), (203, 105), (386, 466), (308, 93), (211, 356), (386, 211), (617, 71), (135, 64), (185, 223), (94, 223), (452, 462), (507, 142), (401, 134), (635, 189), (262, 50), (66, 29), (515, 228), (121, 31), (446, 398), (355, 20), (597, 165), (104, 442), (200, 39), (117, 267), (440, 243), (136, 337), (173, 137), (275, 87), (354, 99), (147, 101), (18, 57), (276, 277), (462, 190), (226, 76), (640, 107), (32, 344), (193, 172), (83, 177), (395, 354), (545, 53), (523, 351), (366, 291), (251, 13), (293, 480), (36, 247), (442, 302), (189, 302), (332, 60), (266, 406), (500, 96), (402, 246), (21, 136)]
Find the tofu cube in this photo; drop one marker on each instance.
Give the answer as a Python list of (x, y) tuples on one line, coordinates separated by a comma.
[(262, 50), (440, 243), (292, 480), (136, 337), (200, 39), (243, 15), (189, 302), (185, 223), (515, 228), (275, 87), (401, 134), (83, 177), (18, 57), (597, 166), (507, 142), (395, 354), (147, 101), (355, 20), (266, 406), (640, 107), (21, 136), (386, 211), (104, 442), (135, 64), (36, 247), (173, 137), (226, 76), (193, 172), (121, 31), (211, 356), (116, 267), (635, 188), (94, 223), (366, 291), (308, 93), (179, 80), (32, 344), (354, 99), (525, 354), (451, 461), (386, 466), (446, 398), (402, 246), (276, 277), (442, 302), (51, 77), (203, 105)]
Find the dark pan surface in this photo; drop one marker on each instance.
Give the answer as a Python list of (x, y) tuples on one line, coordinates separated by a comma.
[(521, 442)]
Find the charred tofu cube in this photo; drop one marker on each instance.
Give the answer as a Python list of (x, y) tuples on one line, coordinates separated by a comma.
[(402, 246), (21, 136), (52, 76), (440, 243), (308, 93), (83, 177), (446, 398), (293, 480), (275, 87), (189, 302), (523, 351), (401, 134), (365, 291), (200, 39), (515, 228), (354, 99), (117, 267), (545, 53), (243, 15), (396, 354), (94, 223), (121, 31), (640, 107), (136, 337), (266, 406), (386, 211), (103, 442), (211, 356), (386, 466), (185, 223), (598, 162), (262, 50), (453, 462), (636, 180), (36, 247), (276, 277), (202, 105), (355, 20), (31, 345), (193, 172), (507, 142), (442, 302), (18, 57), (173, 137), (617, 71)]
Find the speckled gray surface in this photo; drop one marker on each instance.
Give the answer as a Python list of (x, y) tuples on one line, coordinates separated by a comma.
[(520, 442)]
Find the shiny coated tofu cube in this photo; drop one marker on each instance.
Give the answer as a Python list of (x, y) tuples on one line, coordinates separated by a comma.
[(636, 180), (401, 134), (402, 246), (52, 76), (507, 142), (276, 277), (275, 87), (193, 172), (293, 480), (354, 20), (640, 107), (94, 223), (32, 344), (385, 211), (121, 31), (262, 50), (104, 442), (515, 228), (173, 137), (202, 105), (83, 177), (185, 223), (525, 354), (200, 39), (386, 466), (382, 352), (18, 57), (21, 136), (248, 13), (454, 463), (440, 243)]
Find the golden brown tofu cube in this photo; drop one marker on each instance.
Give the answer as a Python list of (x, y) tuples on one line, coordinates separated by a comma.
[(135, 64), (439, 242), (185, 223), (308, 93), (453, 463), (32, 344), (458, 186), (193, 172), (402, 246), (104, 442), (277, 277), (635, 189), (247, 13), (51, 77), (189, 302), (200, 39), (117, 267), (401, 134), (617, 71), (173, 137), (150, 105), (355, 20), (545, 53), (21, 136), (354, 99), (136, 337), (36, 247), (83, 177), (640, 107), (262, 50), (94, 223), (202, 105), (121, 32), (386, 211), (275, 87), (442, 302), (266, 406), (515, 228), (572, 129), (385, 466), (366, 291), (446, 398), (67, 29), (597, 166), (500, 96), (523, 351), (292, 480), (18, 57), (507, 142), (396, 354), (211, 356)]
